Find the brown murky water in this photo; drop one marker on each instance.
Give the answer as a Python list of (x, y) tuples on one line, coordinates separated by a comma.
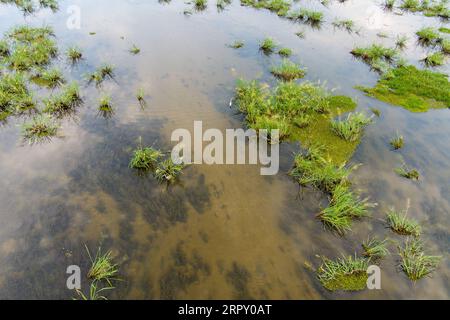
[(224, 231)]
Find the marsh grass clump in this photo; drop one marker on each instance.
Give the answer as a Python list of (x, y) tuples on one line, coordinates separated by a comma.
[(376, 112), (376, 56), (105, 107), (346, 24), (285, 52), (15, 97), (401, 224), (300, 34), (375, 249), (145, 158), (237, 44), (414, 89), (101, 74), (428, 36), (351, 128), (344, 206), (410, 5), (4, 49), (311, 17), (434, 60), (312, 168), (222, 4), (408, 173), (200, 5), (398, 142), (52, 78), (445, 46), (140, 96), (280, 7), (51, 4), (346, 274), (267, 46), (301, 111), (30, 47), (135, 50), (106, 71), (65, 103), (168, 171), (40, 129), (401, 42), (103, 267), (288, 71), (414, 262), (389, 4), (74, 54)]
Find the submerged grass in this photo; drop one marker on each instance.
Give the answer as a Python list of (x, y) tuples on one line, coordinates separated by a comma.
[(345, 274), (414, 262), (346, 24), (408, 173), (237, 44), (415, 90)]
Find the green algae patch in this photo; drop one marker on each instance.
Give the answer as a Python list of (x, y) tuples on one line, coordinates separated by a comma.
[(415, 90), (344, 274), (302, 112), (319, 131)]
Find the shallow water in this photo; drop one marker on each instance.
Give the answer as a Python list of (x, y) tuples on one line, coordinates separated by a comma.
[(224, 231)]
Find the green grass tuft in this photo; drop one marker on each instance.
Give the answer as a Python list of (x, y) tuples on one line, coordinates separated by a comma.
[(351, 128), (398, 142), (65, 103), (267, 46), (401, 224), (288, 71), (40, 129), (168, 171), (344, 207), (344, 274), (405, 172), (414, 262), (145, 158), (375, 249), (74, 54), (311, 168), (103, 267)]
